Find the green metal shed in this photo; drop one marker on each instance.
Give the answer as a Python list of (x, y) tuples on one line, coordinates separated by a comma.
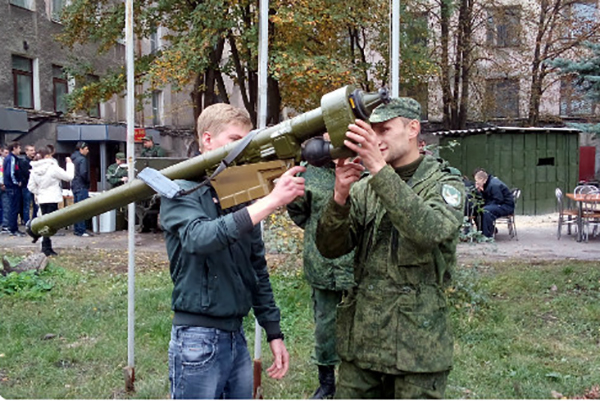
[(535, 159)]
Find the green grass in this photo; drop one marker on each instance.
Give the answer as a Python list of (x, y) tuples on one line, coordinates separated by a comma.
[(521, 330)]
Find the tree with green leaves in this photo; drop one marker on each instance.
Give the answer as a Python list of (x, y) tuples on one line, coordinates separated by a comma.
[(314, 47), (560, 28), (587, 72)]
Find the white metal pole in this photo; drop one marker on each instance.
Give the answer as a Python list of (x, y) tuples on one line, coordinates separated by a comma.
[(130, 372), (395, 47), (263, 56)]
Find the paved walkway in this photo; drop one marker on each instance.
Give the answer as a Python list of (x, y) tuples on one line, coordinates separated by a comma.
[(537, 241)]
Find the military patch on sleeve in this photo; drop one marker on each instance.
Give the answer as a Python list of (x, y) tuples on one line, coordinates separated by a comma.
[(451, 195)]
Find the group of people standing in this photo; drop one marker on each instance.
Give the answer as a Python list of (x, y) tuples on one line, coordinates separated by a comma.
[(16, 199), (380, 247), (32, 183)]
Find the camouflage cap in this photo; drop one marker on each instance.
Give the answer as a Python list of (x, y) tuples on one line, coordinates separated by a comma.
[(397, 107), (120, 155)]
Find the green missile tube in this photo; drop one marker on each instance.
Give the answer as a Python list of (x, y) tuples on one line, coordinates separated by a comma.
[(282, 141)]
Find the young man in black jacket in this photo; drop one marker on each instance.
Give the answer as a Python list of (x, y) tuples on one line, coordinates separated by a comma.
[(497, 198), (219, 271), (81, 182)]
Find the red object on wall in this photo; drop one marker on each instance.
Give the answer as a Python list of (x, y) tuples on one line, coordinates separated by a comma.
[(587, 163), (138, 134)]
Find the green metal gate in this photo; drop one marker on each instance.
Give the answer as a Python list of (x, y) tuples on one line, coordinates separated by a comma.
[(536, 160)]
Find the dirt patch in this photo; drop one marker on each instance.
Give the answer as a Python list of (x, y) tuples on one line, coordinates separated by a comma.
[(537, 240)]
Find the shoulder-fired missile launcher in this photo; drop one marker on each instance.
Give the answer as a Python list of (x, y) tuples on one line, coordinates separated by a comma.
[(281, 142)]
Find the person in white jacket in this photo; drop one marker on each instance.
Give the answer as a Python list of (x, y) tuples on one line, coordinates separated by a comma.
[(44, 183)]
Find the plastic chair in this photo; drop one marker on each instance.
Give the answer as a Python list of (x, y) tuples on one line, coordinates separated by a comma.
[(510, 219), (565, 216)]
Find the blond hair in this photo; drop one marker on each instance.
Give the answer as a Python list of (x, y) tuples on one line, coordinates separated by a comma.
[(215, 117)]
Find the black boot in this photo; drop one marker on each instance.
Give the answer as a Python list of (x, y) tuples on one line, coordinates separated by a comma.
[(326, 388)]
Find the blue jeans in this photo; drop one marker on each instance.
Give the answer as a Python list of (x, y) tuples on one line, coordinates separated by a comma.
[(27, 201), (208, 363), (490, 214), (5, 208), (14, 205), (80, 195)]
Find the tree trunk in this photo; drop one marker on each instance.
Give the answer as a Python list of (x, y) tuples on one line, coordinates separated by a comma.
[(445, 65), (196, 95), (274, 101), (465, 68)]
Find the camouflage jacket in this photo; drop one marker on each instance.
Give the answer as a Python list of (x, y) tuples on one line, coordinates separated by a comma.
[(404, 236), (321, 273), (155, 152), (115, 173)]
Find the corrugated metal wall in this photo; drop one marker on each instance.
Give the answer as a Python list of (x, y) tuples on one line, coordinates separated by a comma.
[(535, 161)]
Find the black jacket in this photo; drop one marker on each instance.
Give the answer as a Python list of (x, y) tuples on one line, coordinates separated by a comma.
[(24, 169), (217, 263), (81, 181), (495, 192)]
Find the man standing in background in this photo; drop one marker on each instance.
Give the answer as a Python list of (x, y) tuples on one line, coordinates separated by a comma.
[(13, 184), (150, 149), (116, 174), (4, 206), (28, 200), (81, 182)]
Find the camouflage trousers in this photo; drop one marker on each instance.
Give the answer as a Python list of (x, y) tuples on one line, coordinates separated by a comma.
[(357, 383), (324, 307)]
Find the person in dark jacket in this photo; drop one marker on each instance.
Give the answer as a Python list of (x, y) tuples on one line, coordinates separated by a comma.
[(219, 271), (28, 199), (13, 183), (498, 201), (81, 182)]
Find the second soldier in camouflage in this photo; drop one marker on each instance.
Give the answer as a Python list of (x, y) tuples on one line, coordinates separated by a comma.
[(328, 278)]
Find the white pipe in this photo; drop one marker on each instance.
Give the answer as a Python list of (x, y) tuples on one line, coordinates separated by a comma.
[(263, 57), (129, 49), (395, 48)]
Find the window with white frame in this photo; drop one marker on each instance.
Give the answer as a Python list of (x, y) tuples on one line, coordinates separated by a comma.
[(57, 8), (503, 97), (154, 43), (504, 27), (60, 89), (156, 108), (94, 111), (28, 4), (573, 99), (583, 18), (414, 30), (22, 69)]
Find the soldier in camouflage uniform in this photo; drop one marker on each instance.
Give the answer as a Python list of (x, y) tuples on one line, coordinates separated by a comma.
[(402, 222), (328, 278), (116, 174), (151, 150)]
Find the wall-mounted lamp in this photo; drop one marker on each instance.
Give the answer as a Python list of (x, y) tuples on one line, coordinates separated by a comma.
[(25, 45)]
